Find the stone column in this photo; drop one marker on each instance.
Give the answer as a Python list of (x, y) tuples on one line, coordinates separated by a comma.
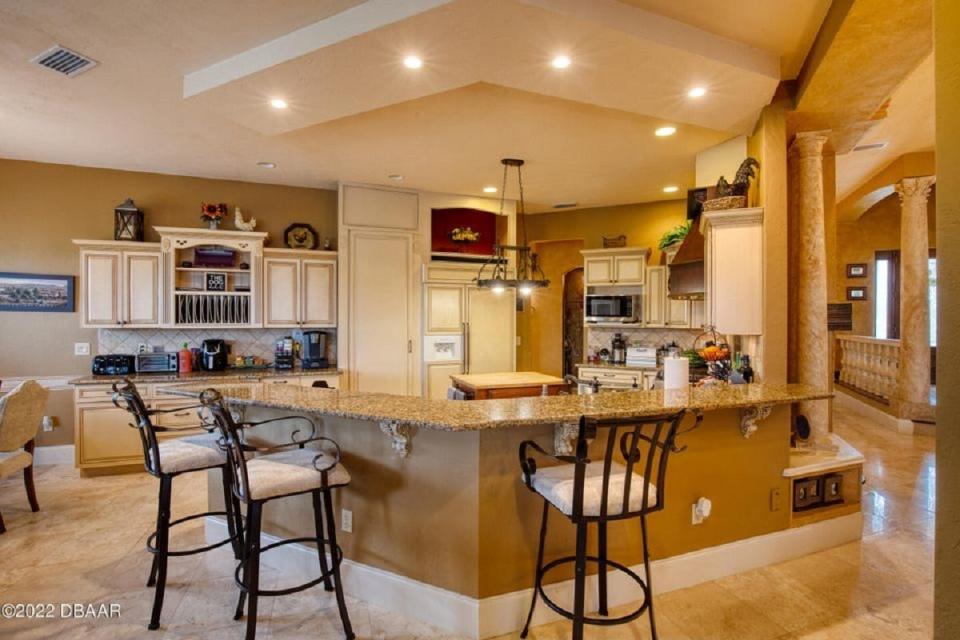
[(811, 344), (913, 381)]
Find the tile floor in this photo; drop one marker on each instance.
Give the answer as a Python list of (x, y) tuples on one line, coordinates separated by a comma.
[(86, 546)]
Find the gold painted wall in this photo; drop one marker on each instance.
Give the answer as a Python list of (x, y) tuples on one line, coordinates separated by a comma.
[(44, 206), (946, 618), (878, 229)]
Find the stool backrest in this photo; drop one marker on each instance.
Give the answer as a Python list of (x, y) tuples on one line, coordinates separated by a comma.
[(645, 445), (126, 396), (231, 440)]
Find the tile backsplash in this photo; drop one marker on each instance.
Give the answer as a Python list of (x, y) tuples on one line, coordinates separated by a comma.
[(601, 337), (246, 342)]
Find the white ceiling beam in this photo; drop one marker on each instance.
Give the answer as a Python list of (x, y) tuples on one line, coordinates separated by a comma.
[(363, 18), (651, 26)]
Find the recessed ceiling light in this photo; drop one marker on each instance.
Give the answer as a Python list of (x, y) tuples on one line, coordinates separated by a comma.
[(278, 103), (697, 92), (267, 165), (560, 62), (489, 189), (396, 177), (663, 132), (671, 188), (412, 62)]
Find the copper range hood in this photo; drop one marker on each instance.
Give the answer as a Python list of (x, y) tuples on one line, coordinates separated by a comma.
[(686, 270)]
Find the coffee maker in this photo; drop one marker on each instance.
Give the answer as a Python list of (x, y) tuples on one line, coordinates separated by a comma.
[(213, 355), (314, 353)]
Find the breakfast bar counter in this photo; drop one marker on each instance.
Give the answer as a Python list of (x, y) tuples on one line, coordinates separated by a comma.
[(440, 515)]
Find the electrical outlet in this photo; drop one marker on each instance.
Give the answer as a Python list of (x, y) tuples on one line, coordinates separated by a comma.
[(47, 423), (518, 341), (775, 500), (81, 348), (346, 520), (700, 511)]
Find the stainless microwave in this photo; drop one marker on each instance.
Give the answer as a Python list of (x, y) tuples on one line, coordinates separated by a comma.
[(606, 308)]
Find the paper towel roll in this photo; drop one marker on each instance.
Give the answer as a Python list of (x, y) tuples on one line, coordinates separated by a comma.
[(676, 373)]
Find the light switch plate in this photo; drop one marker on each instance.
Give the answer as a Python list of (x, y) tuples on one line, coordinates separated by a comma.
[(346, 520), (81, 348)]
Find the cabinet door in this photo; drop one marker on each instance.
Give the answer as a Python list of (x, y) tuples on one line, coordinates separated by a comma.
[(104, 437), (281, 292), (438, 378), (444, 308), (655, 290), (141, 289), (101, 288), (678, 313), (379, 336), (319, 305), (598, 271), (698, 314), (629, 269), (490, 344)]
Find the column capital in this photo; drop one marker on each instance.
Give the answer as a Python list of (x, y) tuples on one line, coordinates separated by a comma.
[(809, 143), (911, 187)]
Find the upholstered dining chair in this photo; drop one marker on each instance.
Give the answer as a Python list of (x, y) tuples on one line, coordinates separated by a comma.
[(21, 411)]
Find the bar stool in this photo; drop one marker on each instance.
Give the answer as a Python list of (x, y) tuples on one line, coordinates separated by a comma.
[(281, 474), (599, 492), (167, 460)]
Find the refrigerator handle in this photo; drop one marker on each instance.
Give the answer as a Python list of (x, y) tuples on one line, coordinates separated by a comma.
[(465, 328)]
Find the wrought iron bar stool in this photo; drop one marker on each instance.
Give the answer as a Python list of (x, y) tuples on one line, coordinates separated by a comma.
[(281, 474), (598, 492), (166, 460)]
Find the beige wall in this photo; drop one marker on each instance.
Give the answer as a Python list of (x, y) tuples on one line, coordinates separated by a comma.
[(947, 558), (878, 229), (44, 206)]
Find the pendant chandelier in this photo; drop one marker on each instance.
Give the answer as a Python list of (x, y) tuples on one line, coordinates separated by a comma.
[(529, 275)]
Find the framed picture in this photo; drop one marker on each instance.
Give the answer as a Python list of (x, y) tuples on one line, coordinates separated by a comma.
[(857, 270), (216, 281), (856, 293), (36, 292)]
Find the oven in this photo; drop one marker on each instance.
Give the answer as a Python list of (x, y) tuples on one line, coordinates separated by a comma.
[(624, 309)]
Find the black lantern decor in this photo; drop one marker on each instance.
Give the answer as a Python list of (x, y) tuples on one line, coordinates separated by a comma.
[(127, 222)]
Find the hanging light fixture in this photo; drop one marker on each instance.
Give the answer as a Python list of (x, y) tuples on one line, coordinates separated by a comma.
[(493, 273)]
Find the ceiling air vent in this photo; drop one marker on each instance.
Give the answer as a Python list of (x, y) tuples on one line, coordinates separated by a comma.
[(565, 205), (63, 60), (870, 147)]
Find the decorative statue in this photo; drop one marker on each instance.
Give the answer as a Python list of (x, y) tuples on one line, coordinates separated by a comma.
[(239, 222), (741, 182)]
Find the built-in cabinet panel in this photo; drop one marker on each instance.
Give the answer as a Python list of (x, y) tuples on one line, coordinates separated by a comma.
[(299, 290), (319, 306), (490, 344), (698, 314), (655, 296), (380, 208), (733, 269), (104, 436), (445, 308), (629, 269), (141, 288), (120, 288), (281, 292), (380, 355), (438, 378), (678, 312), (101, 288), (598, 271), (626, 266)]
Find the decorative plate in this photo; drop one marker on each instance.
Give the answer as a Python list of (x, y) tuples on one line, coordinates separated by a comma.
[(300, 235)]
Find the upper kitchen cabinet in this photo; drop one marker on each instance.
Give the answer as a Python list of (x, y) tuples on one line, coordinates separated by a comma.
[(214, 277), (299, 288), (382, 208), (120, 284), (733, 269), (610, 267)]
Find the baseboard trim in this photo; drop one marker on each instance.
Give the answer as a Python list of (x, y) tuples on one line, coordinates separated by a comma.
[(489, 617), (850, 402), (59, 454)]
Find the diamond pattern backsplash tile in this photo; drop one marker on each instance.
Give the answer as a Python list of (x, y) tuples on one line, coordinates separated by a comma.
[(601, 337), (243, 342)]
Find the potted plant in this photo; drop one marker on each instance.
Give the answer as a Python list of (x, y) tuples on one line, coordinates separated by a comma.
[(212, 214)]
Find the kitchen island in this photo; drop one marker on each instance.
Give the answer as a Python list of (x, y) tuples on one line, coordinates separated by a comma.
[(444, 530)]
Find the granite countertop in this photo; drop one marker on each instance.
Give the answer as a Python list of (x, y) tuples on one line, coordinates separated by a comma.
[(471, 415), (197, 376), (505, 380)]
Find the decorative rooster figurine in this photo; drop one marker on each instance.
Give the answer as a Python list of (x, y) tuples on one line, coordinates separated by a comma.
[(239, 222)]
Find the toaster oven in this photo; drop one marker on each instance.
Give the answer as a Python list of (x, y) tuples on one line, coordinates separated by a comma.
[(156, 362)]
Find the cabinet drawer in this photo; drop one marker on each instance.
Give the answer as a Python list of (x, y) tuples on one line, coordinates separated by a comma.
[(292, 381), (332, 380), (612, 376), (182, 418)]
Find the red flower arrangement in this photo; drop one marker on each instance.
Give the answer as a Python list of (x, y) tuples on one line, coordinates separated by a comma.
[(210, 211)]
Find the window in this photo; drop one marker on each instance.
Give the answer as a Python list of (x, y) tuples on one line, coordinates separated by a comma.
[(886, 301), (932, 293)]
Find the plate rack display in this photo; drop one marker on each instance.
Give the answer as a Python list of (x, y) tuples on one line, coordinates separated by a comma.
[(218, 309)]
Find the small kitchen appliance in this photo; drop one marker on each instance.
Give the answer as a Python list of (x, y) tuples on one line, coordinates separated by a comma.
[(156, 362), (117, 364), (314, 354), (618, 349), (283, 353), (213, 355), (621, 309)]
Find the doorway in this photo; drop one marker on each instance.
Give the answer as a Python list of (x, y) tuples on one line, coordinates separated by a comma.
[(572, 320)]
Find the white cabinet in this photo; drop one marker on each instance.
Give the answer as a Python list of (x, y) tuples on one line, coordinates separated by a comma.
[(678, 313), (626, 266), (299, 290), (698, 314), (655, 297), (120, 288), (445, 307), (733, 269), (489, 340), (379, 207)]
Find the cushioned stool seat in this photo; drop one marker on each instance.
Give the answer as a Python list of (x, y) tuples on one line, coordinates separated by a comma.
[(556, 484), (292, 472), (190, 454)]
